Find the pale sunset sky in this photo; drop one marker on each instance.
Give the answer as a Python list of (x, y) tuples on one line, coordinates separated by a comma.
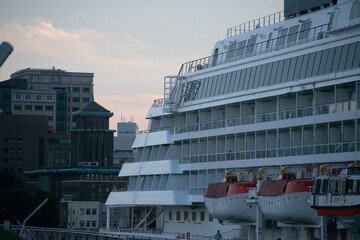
[(129, 45)]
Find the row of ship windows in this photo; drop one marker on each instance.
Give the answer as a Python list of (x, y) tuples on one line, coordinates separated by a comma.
[(184, 216), (309, 65)]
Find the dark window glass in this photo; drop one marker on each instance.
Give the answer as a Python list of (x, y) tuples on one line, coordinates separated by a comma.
[(213, 86), (330, 60), (76, 99), (293, 32), (262, 75), (238, 82), (241, 48), (86, 89), (205, 85), (28, 107), (273, 73), (336, 61), (281, 37), (304, 66), (343, 56), (305, 30), (284, 76), (257, 76), (241, 77), (250, 45), (38, 107), (323, 61), (76, 89), (317, 63), (221, 84), (252, 77), (356, 62), (350, 56), (49, 108), (231, 51), (268, 74), (269, 42), (310, 65), (247, 78), (279, 71), (86, 99)]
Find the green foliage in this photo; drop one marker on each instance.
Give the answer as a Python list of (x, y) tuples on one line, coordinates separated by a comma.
[(15, 200), (4, 234)]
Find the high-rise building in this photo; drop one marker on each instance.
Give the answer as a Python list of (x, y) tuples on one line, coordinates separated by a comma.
[(126, 133), (53, 92)]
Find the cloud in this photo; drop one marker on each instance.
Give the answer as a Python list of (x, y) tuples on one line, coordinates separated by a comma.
[(40, 37)]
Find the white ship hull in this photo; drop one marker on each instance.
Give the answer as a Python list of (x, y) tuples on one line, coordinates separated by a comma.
[(232, 208), (289, 208)]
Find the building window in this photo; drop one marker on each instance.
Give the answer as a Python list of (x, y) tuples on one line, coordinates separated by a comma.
[(74, 109), (17, 107), (76, 99), (86, 99), (86, 89), (170, 215), (76, 89), (38, 97), (88, 211), (49, 108), (82, 224), (50, 118), (5, 160), (12, 150), (5, 150), (93, 211), (202, 216), (19, 160), (186, 215), (87, 223), (93, 224), (19, 140), (27, 97), (193, 217), (82, 211), (115, 223), (38, 108), (19, 150), (177, 215), (17, 96), (48, 97)]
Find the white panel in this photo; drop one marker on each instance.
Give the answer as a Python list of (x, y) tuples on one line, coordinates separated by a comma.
[(148, 198), (154, 138), (148, 168)]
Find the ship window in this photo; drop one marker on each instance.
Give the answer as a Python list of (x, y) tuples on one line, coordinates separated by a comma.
[(317, 186), (350, 56), (324, 186), (227, 82), (304, 66), (279, 71), (336, 186), (330, 60), (324, 57), (354, 9), (241, 79), (343, 56), (210, 218), (356, 62), (241, 48), (257, 76), (250, 45), (349, 186), (269, 41), (293, 31), (202, 216), (310, 65), (282, 37), (317, 63), (305, 30), (262, 75), (170, 215), (186, 215), (273, 73), (252, 78), (336, 61), (193, 216), (268, 74), (231, 52)]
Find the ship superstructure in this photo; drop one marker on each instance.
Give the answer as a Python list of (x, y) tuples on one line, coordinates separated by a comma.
[(280, 90)]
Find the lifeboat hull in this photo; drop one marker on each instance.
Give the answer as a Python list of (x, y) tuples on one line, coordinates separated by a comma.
[(233, 208), (289, 208)]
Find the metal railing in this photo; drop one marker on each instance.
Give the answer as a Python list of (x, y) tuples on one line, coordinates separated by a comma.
[(344, 106), (266, 46), (274, 152), (255, 24)]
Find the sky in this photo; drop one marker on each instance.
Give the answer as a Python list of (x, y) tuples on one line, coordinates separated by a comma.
[(129, 45)]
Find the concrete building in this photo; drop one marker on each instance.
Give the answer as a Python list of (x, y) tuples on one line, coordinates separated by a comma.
[(51, 92), (126, 133)]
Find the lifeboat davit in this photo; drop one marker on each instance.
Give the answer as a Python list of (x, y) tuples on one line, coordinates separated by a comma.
[(287, 200), (226, 201)]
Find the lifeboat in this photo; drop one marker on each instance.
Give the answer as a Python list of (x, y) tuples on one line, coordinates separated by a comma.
[(226, 201), (287, 200), (338, 193)]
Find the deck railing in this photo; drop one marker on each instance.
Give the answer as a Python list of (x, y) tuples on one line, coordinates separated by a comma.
[(254, 24), (259, 48)]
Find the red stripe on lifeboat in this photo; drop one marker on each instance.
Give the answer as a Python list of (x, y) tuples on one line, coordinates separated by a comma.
[(240, 187), (296, 186)]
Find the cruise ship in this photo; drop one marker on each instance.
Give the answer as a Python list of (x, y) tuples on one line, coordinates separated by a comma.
[(281, 90)]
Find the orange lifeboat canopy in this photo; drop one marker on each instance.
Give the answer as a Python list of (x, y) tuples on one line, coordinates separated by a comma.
[(240, 187)]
